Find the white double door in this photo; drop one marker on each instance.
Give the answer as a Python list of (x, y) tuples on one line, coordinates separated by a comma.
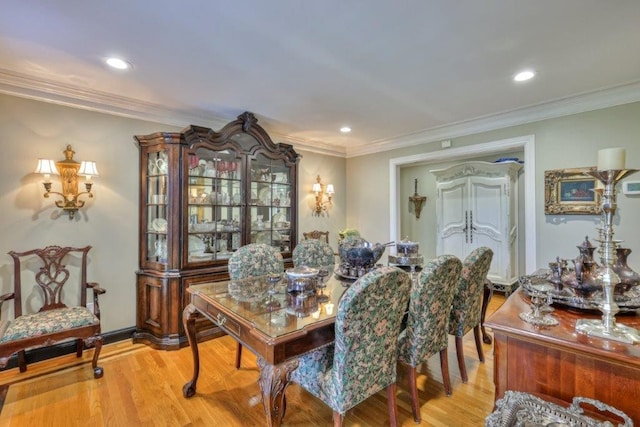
[(475, 211)]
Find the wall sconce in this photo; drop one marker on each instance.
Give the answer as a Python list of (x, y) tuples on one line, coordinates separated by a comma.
[(320, 190), (417, 200), (68, 170)]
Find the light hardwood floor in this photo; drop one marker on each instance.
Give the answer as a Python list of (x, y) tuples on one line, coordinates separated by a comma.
[(143, 387)]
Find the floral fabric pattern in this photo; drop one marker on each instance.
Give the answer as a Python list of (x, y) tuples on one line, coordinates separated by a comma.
[(429, 307), (47, 322), (467, 301), (363, 358), (313, 253), (255, 259)]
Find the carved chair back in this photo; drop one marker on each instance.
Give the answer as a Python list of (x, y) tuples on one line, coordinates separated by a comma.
[(316, 234), (51, 276)]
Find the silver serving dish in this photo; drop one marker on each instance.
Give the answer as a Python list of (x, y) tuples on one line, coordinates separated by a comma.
[(302, 280), (360, 253), (522, 409), (537, 284), (407, 248)]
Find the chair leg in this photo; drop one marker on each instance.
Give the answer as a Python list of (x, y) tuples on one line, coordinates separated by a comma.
[(391, 402), (476, 333), (461, 364), (444, 367), (238, 355), (97, 370), (22, 360), (486, 297), (413, 388), (337, 419), (79, 347)]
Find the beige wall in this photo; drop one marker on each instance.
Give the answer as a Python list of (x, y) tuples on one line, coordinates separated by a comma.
[(566, 142), (31, 129)]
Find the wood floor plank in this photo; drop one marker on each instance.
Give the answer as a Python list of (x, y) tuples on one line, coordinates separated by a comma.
[(143, 387)]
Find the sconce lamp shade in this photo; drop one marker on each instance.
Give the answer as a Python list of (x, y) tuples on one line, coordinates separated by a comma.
[(330, 189), (46, 167), (88, 169), (317, 188)]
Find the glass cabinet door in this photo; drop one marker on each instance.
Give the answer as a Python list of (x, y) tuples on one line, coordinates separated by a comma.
[(157, 206), (270, 202), (215, 204)]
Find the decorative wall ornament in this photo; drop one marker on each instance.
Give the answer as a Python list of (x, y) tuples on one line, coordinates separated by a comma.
[(417, 200)]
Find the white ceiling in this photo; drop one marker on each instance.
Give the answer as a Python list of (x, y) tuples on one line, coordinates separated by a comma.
[(398, 72)]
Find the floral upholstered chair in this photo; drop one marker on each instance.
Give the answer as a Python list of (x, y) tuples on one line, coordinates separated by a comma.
[(428, 322), (466, 311), (65, 313), (254, 259), (363, 358), (313, 253)]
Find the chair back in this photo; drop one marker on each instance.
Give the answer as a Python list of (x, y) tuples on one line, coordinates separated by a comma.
[(466, 309), (48, 268), (427, 330), (366, 335), (255, 259), (316, 234), (313, 253)]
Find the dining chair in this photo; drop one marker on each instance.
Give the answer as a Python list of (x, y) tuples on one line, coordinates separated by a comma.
[(313, 253), (316, 234), (426, 332), (363, 358), (466, 309), (254, 259)]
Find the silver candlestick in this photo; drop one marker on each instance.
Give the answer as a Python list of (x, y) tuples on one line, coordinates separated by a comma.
[(607, 327)]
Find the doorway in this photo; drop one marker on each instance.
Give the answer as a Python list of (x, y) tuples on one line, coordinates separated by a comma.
[(525, 143)]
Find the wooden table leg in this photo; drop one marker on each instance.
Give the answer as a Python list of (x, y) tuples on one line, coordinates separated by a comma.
[(273, 382), (486, 297), (189, 316)]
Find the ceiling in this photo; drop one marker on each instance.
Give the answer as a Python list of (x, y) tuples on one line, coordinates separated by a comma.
[(399, 73)]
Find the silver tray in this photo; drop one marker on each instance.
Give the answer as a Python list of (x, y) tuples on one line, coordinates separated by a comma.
[(519, 409), (345, 276), (539, 285)]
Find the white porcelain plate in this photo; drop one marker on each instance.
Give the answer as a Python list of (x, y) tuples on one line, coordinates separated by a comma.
[(195, 245), (159, 224)]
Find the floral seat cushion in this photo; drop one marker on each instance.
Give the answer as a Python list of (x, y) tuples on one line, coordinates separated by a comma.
[(313, 253), (46, 322)]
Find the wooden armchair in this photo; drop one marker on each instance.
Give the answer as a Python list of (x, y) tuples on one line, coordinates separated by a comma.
[(55, 321)]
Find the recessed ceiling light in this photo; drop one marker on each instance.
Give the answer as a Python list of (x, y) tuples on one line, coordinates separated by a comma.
[(118, 63), (524, 76), (345, 129)]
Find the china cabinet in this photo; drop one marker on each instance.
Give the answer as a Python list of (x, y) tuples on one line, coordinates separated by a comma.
[(477, 206), (203, 194)]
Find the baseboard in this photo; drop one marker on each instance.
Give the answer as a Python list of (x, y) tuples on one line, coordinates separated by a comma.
[(43, 353)]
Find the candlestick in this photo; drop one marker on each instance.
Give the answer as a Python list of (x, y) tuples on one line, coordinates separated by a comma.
[(611, 159), (415, 191)]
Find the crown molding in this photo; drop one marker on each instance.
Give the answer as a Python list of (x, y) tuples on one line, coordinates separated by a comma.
[(24, 86), (604, 98), (40, 89)]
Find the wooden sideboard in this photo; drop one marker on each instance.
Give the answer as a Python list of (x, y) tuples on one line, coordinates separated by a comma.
[(559, 362)]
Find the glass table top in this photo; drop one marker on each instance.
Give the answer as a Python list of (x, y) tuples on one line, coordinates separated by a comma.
[(270, 308)]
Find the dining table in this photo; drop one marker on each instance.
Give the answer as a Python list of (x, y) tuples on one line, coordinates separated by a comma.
[(277, 325)]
